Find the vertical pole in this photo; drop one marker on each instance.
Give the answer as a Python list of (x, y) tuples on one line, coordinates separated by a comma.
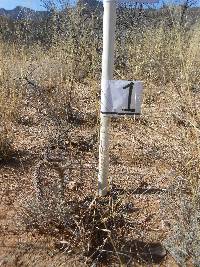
[(109, 24)]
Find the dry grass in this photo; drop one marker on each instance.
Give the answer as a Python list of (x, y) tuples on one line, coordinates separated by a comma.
[(155, 152), (10, 98)]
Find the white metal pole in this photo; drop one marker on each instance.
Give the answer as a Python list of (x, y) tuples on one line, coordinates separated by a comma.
[(109, 25)]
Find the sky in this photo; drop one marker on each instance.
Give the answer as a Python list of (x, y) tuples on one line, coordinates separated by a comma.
[(35, 4), (10, 4)]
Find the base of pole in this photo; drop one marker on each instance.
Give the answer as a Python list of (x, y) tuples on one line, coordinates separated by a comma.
[(104, 156)]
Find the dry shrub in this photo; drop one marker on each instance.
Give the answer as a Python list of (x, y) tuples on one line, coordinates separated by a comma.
[(96, 229), (10, 98), (181, 205), (167, 136), (174, 134), (183, 210)]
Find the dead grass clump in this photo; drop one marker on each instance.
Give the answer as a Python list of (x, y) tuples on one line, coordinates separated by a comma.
[(99, 230), (87, 226), (11, 97), (183, 210)]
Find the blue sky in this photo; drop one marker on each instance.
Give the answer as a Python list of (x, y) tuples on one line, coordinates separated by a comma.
[(10, 4), (37, 5)]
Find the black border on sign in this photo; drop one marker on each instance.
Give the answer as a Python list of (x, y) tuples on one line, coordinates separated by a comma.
[(118, 113)]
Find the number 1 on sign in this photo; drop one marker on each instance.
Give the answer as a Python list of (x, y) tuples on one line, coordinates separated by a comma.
[(130, 86)]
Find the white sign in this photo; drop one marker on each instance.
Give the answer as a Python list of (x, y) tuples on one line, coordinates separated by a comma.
[(121, 97)]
